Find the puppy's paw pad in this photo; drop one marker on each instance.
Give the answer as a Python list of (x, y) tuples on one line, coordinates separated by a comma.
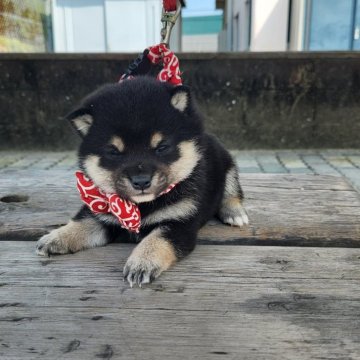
[(51, 244), (139, 271)]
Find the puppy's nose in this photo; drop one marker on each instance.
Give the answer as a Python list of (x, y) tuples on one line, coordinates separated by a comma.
[(140, 182)]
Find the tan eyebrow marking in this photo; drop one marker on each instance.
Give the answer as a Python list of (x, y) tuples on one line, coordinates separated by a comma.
[(156, 139), (118, 143)]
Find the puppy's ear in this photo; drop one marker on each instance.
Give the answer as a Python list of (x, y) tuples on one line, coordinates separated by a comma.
[(180, 98), (81, 119)]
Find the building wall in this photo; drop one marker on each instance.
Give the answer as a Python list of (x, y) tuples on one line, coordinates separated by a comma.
[(256, 100), (315, 25), (235, 34), (200, 43), (269, 25), (193, 25), (241, 25), (108, 25), (200, 33), (297, 25), (332, 24)]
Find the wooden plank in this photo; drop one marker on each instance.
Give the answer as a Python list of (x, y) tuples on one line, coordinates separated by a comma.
[(222, 301), (295, 210)]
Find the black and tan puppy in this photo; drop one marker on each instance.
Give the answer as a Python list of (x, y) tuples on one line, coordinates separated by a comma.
[(139, 137)]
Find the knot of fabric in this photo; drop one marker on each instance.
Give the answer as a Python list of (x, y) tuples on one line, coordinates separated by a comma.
[(127, 213), (160, 54)]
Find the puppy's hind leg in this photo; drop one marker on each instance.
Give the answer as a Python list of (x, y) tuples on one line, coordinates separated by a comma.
[(231, 210)]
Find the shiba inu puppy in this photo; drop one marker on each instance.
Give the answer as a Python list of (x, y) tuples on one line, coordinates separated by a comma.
[(144, 145)]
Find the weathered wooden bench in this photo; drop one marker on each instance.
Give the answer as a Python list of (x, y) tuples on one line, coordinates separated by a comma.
[(299, 299)]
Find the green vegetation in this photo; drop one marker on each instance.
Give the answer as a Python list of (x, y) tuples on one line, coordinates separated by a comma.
[(22, 25)]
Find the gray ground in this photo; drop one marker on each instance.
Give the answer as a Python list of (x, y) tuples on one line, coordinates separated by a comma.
[(344, 163)]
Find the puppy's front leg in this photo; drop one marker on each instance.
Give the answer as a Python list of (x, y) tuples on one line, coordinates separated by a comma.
[(155, 254), (78, 234)]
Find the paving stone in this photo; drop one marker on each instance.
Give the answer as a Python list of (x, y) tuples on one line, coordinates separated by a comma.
[(49, 161), (247, 170), (246, 162), (293, 163), (355, 159), (29, 161), (342, 152), (319, 165), (69, 161), (270, 164), (353, 175), (8, 159), (345, 163), (339, 161)]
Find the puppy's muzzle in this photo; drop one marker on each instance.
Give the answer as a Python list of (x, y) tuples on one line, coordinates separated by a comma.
[(141, 181)]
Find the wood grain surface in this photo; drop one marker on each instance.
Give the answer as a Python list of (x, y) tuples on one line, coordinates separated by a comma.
[(222, 302), (289, 210)]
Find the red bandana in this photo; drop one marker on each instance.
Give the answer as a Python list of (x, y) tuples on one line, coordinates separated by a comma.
[(171, 71), (125, 211)]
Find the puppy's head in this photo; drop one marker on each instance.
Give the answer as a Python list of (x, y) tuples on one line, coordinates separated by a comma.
[(139, 137)]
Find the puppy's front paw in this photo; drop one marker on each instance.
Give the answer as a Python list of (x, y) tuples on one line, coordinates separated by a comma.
[(52, 244), (149, 259), (141, 271), (72, 237)]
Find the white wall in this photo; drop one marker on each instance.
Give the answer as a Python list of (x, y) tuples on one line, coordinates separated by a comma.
[(200, 43), (269, 23), (132, 25), (241, 21), (105, 25), (297, 30), (76, 29), (235, 35)]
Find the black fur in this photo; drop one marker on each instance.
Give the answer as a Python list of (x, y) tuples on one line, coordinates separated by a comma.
[(134, 110)]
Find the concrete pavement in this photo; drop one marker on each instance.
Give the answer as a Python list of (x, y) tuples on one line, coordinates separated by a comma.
[(344, 163)]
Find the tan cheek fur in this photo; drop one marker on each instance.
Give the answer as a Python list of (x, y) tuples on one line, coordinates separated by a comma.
[(101, 177), (189, 157)]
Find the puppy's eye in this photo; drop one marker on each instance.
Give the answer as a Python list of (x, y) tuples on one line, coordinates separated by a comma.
[(112, 152), (162, 148)]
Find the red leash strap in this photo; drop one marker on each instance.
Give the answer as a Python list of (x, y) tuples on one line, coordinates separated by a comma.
[(169, 5)]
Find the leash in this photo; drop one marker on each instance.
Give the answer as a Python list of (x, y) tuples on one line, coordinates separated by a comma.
[(170, 12), (160, 54), (128, 213)]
